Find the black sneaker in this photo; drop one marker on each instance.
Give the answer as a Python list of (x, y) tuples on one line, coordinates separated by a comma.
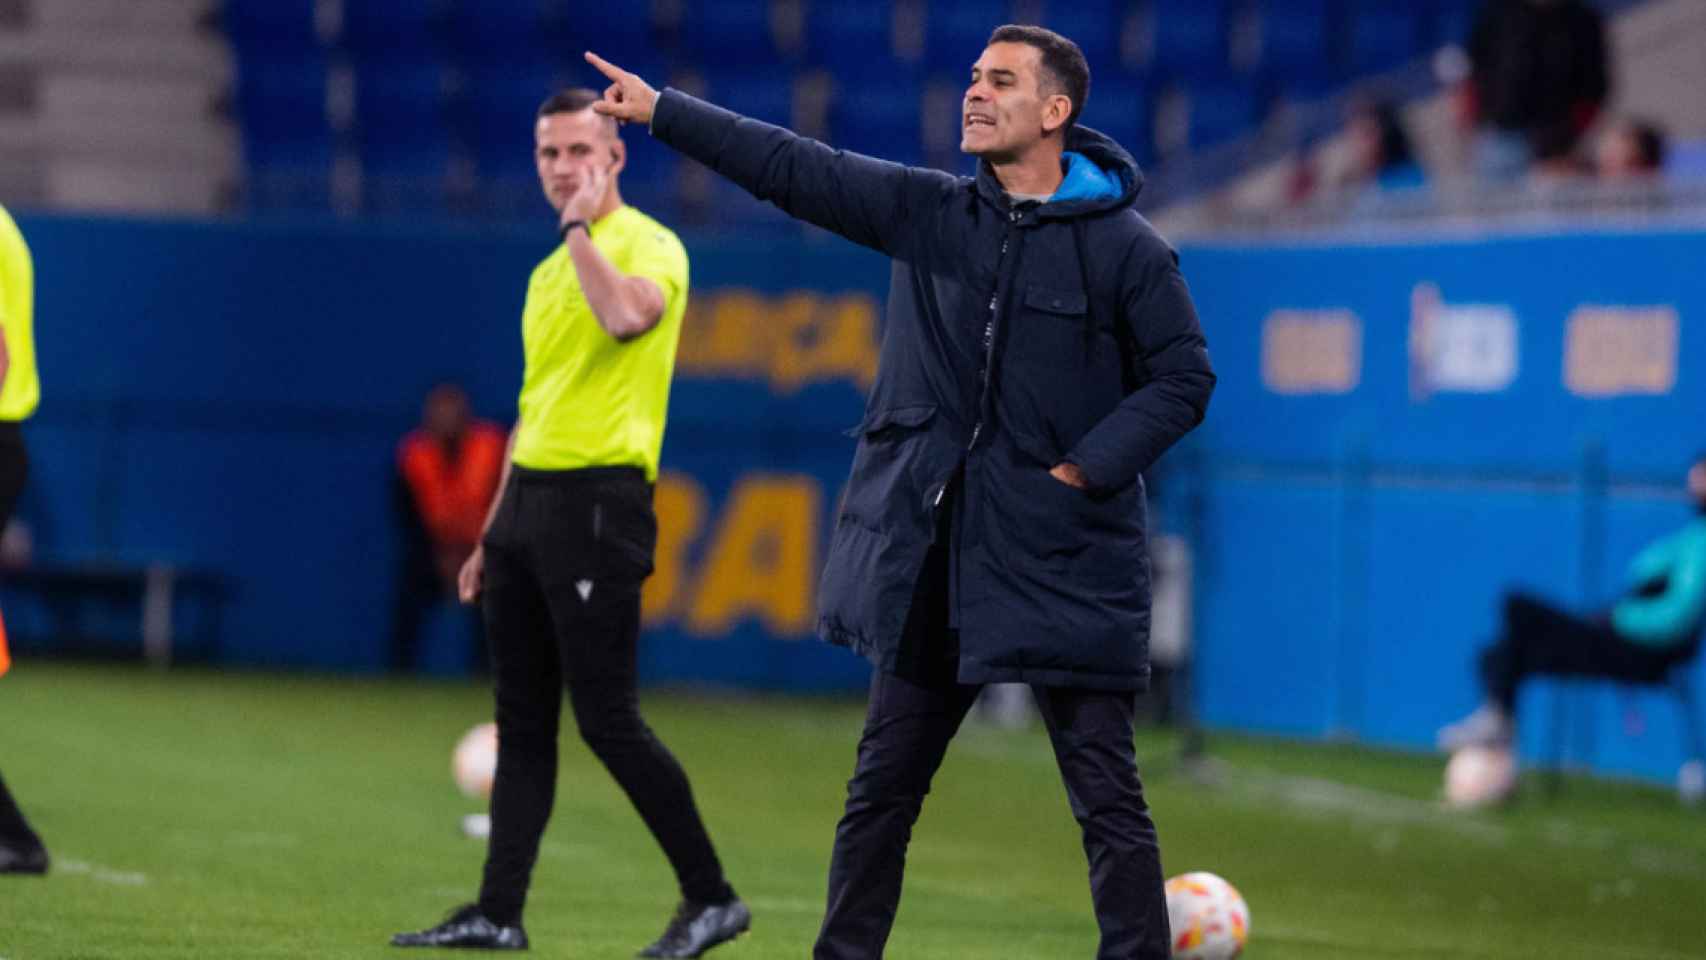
[(28, 860), (468, 928), (697, 927)]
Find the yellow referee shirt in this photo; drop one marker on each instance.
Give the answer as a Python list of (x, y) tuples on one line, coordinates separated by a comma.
[(587, 399), (21, 391)]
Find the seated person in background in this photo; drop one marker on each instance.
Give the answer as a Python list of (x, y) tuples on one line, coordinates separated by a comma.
[(1383, 157), (1371, 157), (447, 473), (1652, 629), (1630, 151), (1539, 74)]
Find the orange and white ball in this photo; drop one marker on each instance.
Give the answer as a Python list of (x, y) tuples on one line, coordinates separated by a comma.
[(1480, 776), (474, 763), (1209, 918)]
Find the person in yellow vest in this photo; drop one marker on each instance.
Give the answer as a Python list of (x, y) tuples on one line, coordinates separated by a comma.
[(21, 851), (570, 537)]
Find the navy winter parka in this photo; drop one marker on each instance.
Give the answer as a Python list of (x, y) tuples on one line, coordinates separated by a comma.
[(1017, 337)]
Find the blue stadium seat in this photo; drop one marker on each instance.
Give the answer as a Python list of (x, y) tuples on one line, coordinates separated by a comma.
[(271, 29), (955, 33), (503, 102), (1452, 21), (504, 31), (728, 32), (610, 29), (1191, 36), (882, 120), (1383, 35), (1297, 36), (1223, 110), (1097, 26), (767, 96), (851, 39), (404, 114), (283, 112), (398, 29), (288, 143), (649, 180), (1122, 111)]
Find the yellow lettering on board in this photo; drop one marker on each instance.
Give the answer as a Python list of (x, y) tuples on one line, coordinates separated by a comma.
[(680, 507), (725, 335), (826, 340), (762, 562), (789, 342)]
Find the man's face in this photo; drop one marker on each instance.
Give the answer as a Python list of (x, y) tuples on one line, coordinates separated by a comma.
[(568, 147), (1618, 155), (445, 414), (1005, 111), (1697, 483)]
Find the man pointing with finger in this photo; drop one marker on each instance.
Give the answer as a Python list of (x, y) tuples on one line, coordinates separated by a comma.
[(1040, 352), (570, 538)]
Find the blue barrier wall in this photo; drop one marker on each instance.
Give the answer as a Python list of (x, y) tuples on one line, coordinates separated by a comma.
[(1402, 432), (1491, 414)]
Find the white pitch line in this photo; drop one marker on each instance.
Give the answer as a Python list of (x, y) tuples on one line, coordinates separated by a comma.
[(95, 871), (777, 905)]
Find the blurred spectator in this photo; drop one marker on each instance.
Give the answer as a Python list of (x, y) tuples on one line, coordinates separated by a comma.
[(1380, 148), (1656, 626), (447, 474), (1538, 77), (1371, 157), (1630, 150)]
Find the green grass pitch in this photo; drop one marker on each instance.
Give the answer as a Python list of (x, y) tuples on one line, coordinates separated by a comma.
[(215, 815)]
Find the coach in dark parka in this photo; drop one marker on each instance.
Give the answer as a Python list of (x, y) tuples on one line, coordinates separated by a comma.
[(1041, 351)]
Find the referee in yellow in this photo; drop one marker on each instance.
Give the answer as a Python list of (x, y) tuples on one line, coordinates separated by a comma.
[(21, 851), (570, 538)]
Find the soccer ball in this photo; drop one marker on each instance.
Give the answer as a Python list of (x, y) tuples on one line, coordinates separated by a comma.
[(1479, 776), (475, 761), (1208, 917)]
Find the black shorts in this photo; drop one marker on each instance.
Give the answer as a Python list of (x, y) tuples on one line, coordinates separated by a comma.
[(595, 523), (14, 467)]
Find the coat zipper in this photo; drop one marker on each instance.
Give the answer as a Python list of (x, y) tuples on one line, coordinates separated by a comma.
[(988, 345), (989, 333)]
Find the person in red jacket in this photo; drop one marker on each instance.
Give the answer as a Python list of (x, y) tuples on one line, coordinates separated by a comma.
[(447, 473)]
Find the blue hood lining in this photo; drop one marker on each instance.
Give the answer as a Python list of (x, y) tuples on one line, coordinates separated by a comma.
[(1085, 181)]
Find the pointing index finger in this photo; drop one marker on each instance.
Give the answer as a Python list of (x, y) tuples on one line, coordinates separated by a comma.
[(604, 66)]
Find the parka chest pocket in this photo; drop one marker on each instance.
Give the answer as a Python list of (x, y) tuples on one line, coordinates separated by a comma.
[(1060, 303)]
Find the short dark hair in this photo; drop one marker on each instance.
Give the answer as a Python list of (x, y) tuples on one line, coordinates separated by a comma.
[(569, 100), (1064, 68), (1649, 143)]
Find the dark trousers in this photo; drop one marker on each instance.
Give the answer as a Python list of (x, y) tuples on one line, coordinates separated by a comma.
[(421, 590), (15, 831), (1540, 639), (911, 717), (564, 560)]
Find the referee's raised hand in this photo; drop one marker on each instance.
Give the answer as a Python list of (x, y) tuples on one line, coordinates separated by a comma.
[(628, 98)]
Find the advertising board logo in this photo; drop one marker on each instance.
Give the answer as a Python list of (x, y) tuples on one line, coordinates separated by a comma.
[(1460, 347), (1312, 351), (1612, 351)]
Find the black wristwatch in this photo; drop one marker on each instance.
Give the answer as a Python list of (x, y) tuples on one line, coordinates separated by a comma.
[(563, 233)]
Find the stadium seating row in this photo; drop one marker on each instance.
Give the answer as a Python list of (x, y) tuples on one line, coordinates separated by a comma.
[(437, 91)]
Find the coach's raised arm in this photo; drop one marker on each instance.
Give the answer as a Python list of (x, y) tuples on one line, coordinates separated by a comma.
[(869, 201)]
